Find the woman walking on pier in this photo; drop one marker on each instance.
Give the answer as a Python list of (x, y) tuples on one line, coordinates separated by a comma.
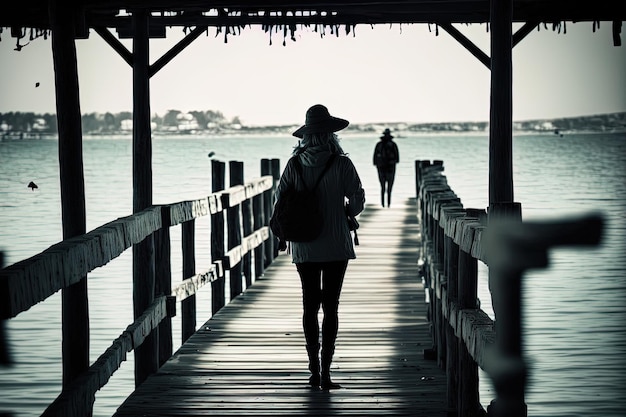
[(386, 156), (322, 262)]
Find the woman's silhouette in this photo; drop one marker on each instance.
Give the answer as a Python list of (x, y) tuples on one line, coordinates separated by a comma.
[(322, 263)]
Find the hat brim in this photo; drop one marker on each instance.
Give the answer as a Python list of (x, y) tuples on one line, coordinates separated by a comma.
[(334, 124), (386, 137)]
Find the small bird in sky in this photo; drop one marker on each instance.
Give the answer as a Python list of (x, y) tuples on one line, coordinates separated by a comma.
[(211, 154), (32, 185), (37, 84)]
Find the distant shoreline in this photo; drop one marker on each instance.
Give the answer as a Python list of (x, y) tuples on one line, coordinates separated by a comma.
[(345, 135), (604, 123)]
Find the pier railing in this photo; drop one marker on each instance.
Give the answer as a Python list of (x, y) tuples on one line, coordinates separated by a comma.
[(454, 240), (241, 243)]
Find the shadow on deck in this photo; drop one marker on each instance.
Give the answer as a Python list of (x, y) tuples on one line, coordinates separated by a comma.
[(249, 359)]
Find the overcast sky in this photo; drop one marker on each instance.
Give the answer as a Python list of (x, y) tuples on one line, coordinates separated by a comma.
[(383, 74)]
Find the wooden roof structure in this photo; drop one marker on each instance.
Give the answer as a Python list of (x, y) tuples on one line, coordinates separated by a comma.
[(31, 17)]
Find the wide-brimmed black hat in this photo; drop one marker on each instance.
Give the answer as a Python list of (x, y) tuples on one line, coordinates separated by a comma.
[(387, 134), (319, 120)]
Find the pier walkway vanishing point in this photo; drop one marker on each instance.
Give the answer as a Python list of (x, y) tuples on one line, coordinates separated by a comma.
[(250, 359)]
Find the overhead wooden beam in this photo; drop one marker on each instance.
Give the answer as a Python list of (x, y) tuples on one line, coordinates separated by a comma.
[(115, 44), (176, 49), (468, 44), (523, 32)]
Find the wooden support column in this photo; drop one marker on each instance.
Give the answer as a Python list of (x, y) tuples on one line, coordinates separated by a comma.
[(218, 173), (258, 209), (235, 169), (75, 308), (275, 171), (163, 281), (501, 114), (146, 355), (268, 203), (188, 305)]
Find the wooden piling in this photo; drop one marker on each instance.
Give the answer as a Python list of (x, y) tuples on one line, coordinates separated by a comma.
[(75, 309), (218, 181), (188, 305), (146, 361), (163, 281), (235, 169), (268, 204), (501, 107), (258, 208)]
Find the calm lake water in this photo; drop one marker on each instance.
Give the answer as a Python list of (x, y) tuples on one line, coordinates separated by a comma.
[(575, 313)]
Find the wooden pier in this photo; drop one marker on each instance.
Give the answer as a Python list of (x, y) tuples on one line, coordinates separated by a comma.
[(249, 359)]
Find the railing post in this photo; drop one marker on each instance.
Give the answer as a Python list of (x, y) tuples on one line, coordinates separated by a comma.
[(467, 279), (218, 174), (247, 224), (275, 164), (5, 358), (448, 215), (163, 281), (188, 305), (235, 169), (268, 203), (438, 200), (258, 208)]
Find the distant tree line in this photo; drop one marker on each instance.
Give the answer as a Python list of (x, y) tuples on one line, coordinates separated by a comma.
[(175, 121), (98, 123)]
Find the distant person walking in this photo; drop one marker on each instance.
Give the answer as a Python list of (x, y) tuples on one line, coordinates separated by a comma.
[(322, 262), (386, 156)]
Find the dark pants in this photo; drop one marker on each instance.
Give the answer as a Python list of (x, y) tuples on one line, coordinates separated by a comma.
[(321, 286), (386, 176)]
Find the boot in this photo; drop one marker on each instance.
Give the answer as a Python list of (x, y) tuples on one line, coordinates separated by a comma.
[(314, 364), (382, 198), (327, 358)]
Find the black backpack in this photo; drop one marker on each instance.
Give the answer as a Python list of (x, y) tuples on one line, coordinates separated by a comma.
[(386, 154), (297, 215)]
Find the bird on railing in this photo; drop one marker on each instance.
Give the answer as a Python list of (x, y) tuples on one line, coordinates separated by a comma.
[(32, 185)]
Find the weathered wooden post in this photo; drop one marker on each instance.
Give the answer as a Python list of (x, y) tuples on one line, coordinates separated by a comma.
[(511, 212), (275, 166), (5, 358), (438, 198), (467, 279), (259, 221), (247, 225), (218, 180), (75, 309), (501, 107), (235, 169), (188, 305), (163, 281), (146, 361), (449, 213), (268, 203)]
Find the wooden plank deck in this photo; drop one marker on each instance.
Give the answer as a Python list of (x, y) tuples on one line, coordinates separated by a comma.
[(249, 359)]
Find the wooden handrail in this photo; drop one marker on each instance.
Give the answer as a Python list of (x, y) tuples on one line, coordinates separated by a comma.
[(454, 239), (33, 280), (28, 282)]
